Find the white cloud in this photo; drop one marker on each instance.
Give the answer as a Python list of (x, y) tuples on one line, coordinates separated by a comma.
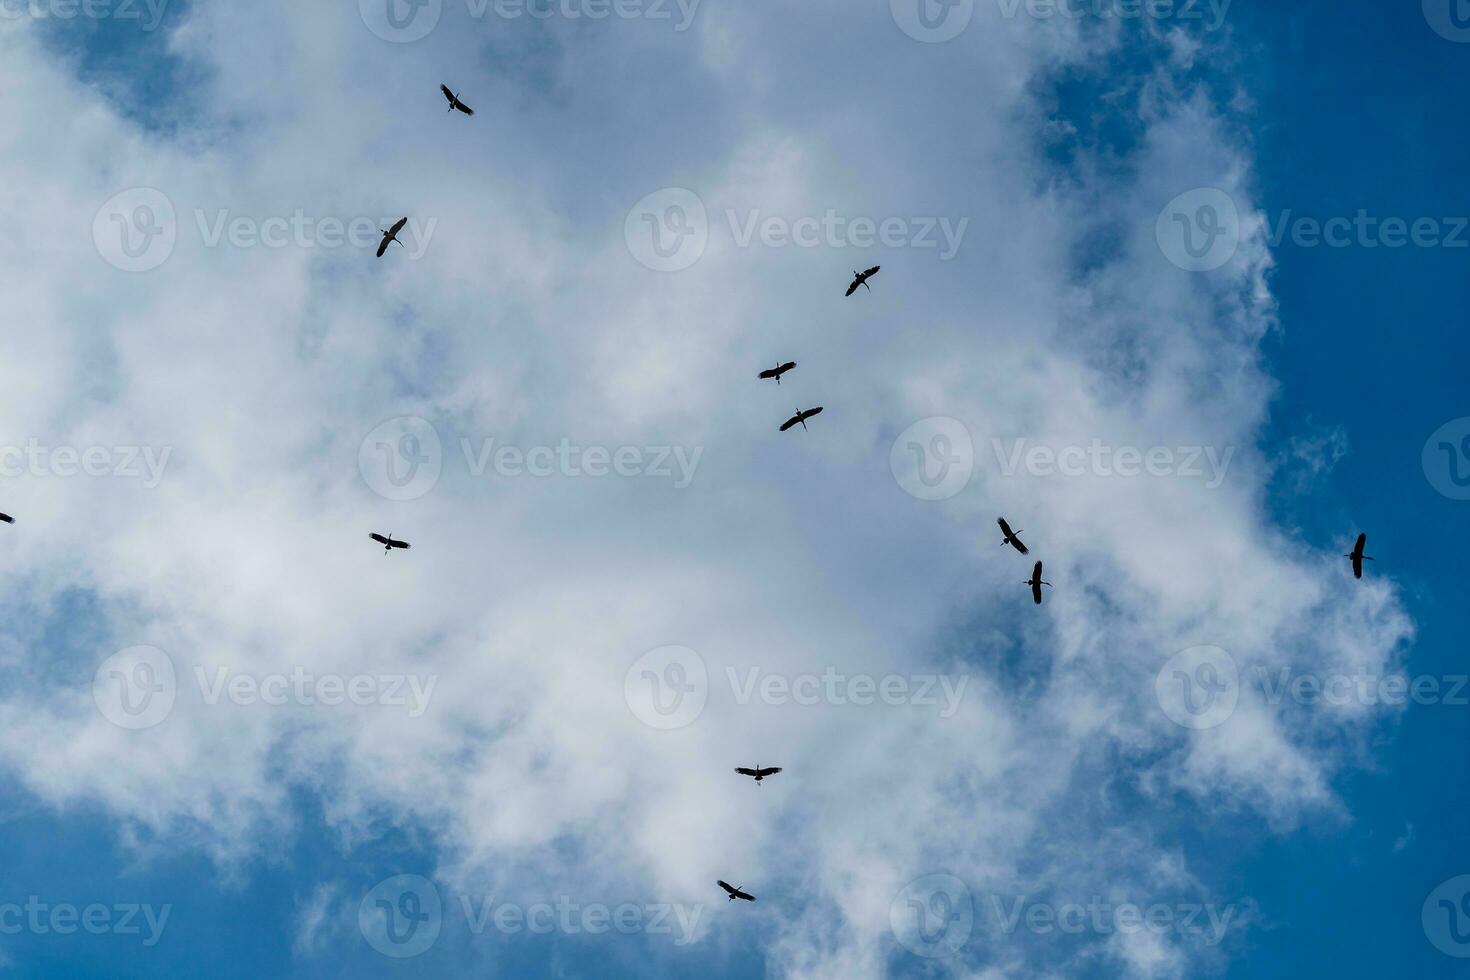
[(528, 321)]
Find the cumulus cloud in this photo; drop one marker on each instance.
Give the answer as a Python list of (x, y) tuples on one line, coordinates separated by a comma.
[(1059, 322)]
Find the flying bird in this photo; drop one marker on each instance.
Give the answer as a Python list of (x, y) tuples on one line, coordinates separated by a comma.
[(758, 772), (777, 371), (454, 102), (800, 418), (389, 542), (734, 892), (1358, 557), (7, 518), (391, 235), (861, 279), (1012, 538), (1036, 583)]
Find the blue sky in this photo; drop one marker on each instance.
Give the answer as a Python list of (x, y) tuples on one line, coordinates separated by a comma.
[(287, 386)]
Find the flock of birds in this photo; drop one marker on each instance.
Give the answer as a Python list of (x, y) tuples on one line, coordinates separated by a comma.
[(859, 280)]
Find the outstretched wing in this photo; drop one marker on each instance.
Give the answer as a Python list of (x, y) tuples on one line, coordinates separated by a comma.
[(769, 771), (745, 772), (872, 272), (447, 94), (812, 412), (378, 538), (382, 246), (400, 544), (1358, 563), (7, 518), (853, 288), (786, 367), (398, 227), (1362, 543), (1004, 527), (794, 420), (769, 373), (1036, 592), (727, 886), (463, 108)]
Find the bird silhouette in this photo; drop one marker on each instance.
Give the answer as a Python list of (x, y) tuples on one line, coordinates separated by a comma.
[(758, 773), (777, 371), (1036, 583), (734, 892), (389, 542), (1011, 537), (454, 102), (391, 235), (1357, 556), (800, 418), (861, 279)]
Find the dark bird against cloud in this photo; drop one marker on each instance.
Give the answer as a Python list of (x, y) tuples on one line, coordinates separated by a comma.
[(389, 542), (1011, 536), (454, 102), (735, 893), (391, 235), (800, 418), (861, 279)]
